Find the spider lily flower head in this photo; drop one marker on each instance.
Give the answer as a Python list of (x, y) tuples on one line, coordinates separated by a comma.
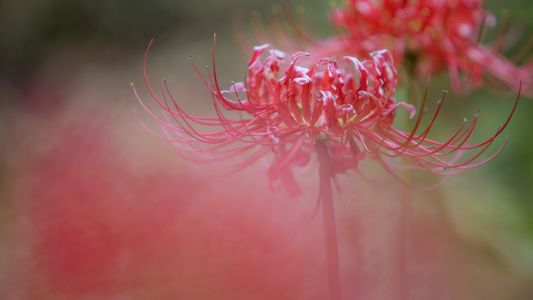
[(430, 36), (286, 107)]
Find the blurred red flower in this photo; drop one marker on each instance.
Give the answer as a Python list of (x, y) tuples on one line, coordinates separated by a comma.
[(101, 229), (430, 36)]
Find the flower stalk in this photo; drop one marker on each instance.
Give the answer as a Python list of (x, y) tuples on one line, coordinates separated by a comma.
[(325, 197)]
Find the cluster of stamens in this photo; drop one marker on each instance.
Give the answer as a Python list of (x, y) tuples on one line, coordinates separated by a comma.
[(285, 105)]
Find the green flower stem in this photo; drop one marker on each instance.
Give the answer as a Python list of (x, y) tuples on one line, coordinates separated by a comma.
[(330, 227)]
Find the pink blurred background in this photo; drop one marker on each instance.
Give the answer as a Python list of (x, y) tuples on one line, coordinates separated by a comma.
[(92, 206)]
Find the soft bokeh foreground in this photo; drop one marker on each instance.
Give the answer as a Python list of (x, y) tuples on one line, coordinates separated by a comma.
[(92, 206)]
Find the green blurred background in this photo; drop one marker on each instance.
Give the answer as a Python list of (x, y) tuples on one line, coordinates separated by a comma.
[(61, 59)]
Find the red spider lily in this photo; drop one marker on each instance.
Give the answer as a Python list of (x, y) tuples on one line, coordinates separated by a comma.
[(430, 36), (285, 108)]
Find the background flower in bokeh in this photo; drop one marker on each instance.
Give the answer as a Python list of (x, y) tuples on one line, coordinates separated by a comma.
[(431, 36)]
